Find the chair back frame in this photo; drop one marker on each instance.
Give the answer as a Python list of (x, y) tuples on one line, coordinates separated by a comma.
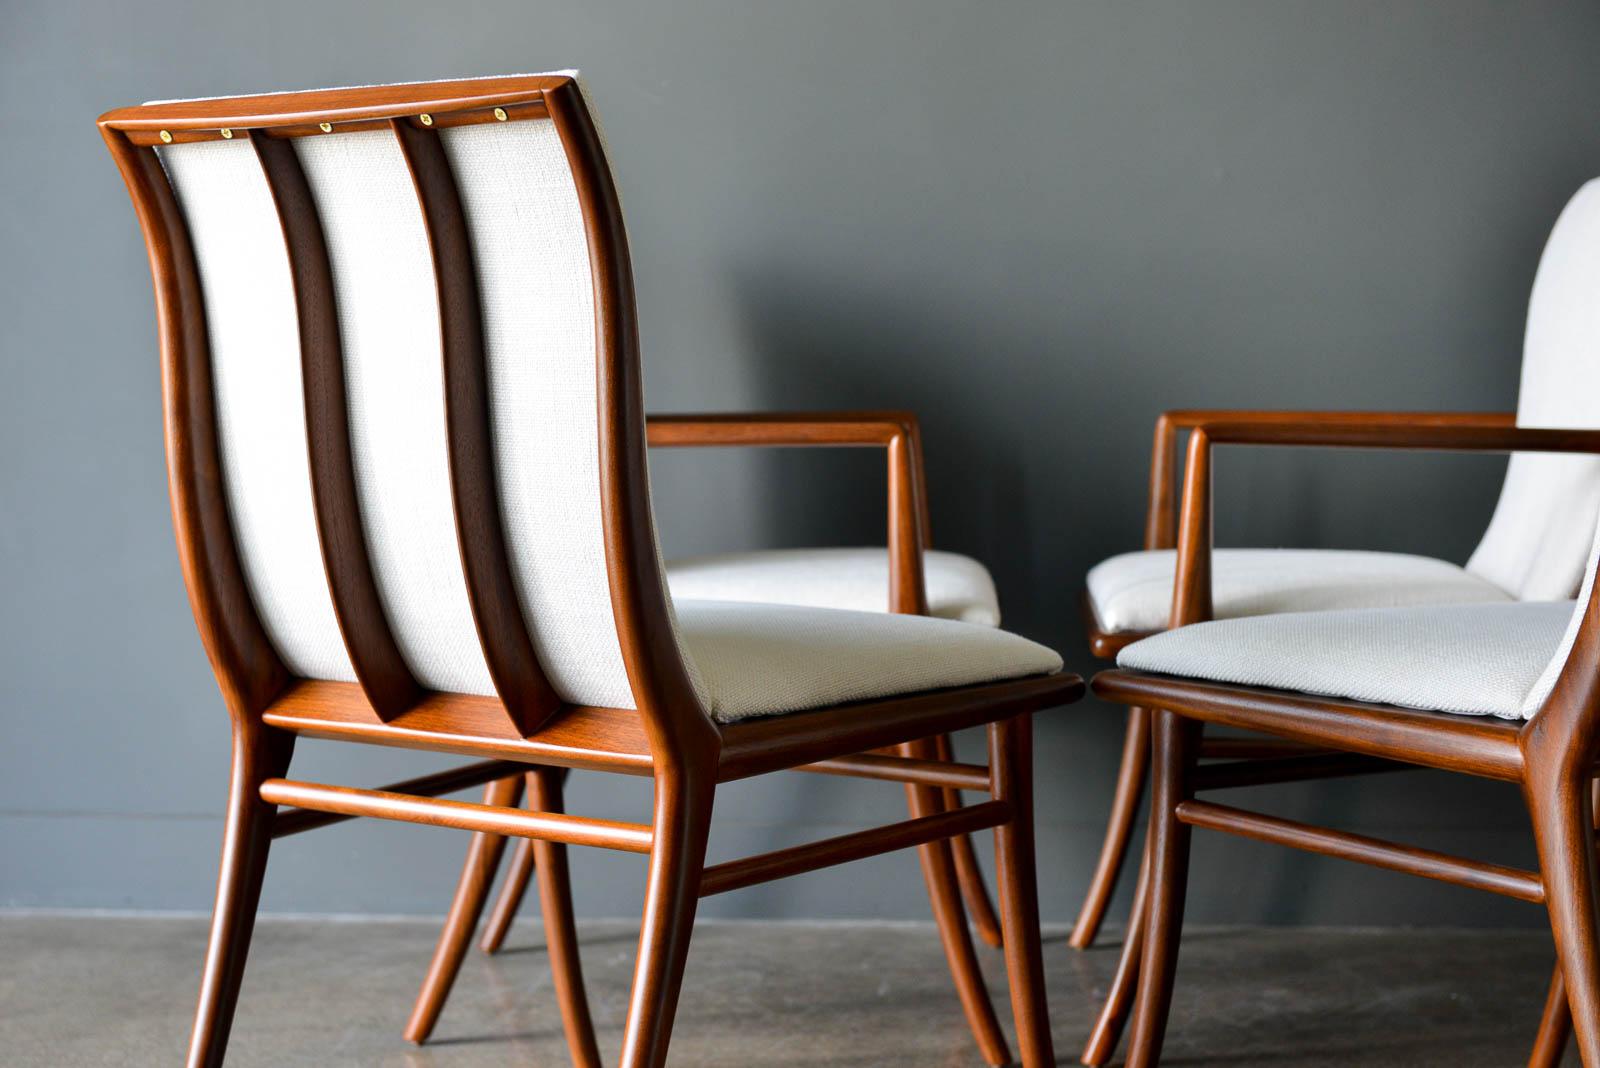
[(249, 670)]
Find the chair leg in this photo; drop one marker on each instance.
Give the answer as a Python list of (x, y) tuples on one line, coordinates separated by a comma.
[(504, 912), (560, 930), (1563, 828), (258, 754), (1176, 744), (1011, 763), (968, 873), (681, 825), (938, 871), (1119, 829), (483, 857), (1555, 1026), (1119, 998)]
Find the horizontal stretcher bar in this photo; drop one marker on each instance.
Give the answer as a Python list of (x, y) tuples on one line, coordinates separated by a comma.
[(749, 871), (1474, 874), (942, 773), (463, 815), (296, 820)]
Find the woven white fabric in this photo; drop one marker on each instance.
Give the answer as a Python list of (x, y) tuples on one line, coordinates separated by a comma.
[(857, 579), (255, 363), (1538, 539), (1474, 659), (768, 659), (1132, 593), (1547, 680), (388, 307), (538, 316)]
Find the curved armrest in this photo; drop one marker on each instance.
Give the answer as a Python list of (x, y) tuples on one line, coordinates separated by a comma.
[(1161, 522), (896, 432)]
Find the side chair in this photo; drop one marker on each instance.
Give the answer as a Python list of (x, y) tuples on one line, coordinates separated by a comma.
[(1504, 691), (406, 455), (905, 576)]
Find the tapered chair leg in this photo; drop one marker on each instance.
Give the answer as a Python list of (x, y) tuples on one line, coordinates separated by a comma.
[(1564, 832), (1114, 1011), (483, 857), (938, 871), (258, 754), (968, 873), (1119, 829), (681, 824), (1011, 768), (560, 929), (512, 891), (1555, 1026), (1176, 743)]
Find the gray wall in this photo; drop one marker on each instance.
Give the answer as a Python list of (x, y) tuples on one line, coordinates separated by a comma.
[(1035, 224)]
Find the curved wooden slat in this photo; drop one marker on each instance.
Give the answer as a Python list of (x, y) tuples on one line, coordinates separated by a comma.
[(508, 649), (376, 657)]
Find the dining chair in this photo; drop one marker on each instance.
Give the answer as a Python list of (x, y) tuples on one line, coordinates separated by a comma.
[(1503, 691), (1532, 550), (406, 460), (906, 576)]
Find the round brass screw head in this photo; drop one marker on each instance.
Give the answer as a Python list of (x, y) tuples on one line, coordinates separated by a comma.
[(227, 134), (325, 127), (500, 113), (427, 120), (166, 138)]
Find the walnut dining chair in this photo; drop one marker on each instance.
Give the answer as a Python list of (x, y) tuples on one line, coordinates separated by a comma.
[(412, 509), (1503, 691), (1529, 552), (906, 576)]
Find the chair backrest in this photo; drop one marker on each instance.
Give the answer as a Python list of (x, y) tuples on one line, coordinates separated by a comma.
[(415, 315), (1539, 537)]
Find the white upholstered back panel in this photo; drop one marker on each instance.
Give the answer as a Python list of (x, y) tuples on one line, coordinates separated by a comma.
[(538, 308), (1539, 537), (539, 333), (255, 364)]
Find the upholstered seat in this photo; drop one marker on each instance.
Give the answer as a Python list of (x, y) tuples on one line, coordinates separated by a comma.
[(1132, 593), (1479, 659), (857, 579), (765, 659)]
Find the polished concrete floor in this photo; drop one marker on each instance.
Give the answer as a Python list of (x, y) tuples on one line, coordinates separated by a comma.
[(90, 991)]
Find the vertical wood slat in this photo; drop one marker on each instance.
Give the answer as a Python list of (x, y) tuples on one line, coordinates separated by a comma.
[(508, 649), (382, 670), (247, 666)]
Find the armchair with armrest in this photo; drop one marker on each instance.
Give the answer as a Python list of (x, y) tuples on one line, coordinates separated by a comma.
[(1505, 691)]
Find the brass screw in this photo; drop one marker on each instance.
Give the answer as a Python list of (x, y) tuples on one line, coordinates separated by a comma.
[(227, 134), (427, 120), (500, 113), (166, 138), (325, 127)]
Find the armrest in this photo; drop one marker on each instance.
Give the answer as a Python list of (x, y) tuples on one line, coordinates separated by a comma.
[(1491, 432), (895, 432), (1161, 522)]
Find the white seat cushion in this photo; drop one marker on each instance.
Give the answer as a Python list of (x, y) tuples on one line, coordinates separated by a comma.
[(1482, 659), (857, 579), (767, 659), (1132, 593)]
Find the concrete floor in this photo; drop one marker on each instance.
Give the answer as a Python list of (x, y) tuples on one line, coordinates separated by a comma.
[(89, 991)]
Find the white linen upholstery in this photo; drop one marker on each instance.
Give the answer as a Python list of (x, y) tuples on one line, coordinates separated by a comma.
[(857, 579), (769, 659), (1132, 593), (1537, 540), (1483, 659), (538, 309)]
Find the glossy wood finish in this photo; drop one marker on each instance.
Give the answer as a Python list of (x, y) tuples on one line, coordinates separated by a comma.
[(297, 820), (560, 927), (483, 856), (668, 735), (1011, 765), (1552, 756)]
